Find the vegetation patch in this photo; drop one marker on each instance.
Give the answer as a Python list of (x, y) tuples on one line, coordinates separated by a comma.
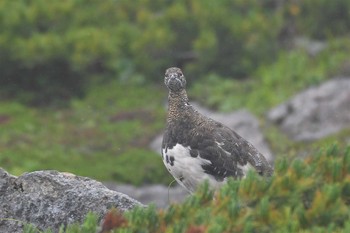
[(311, 195), (272, 84), (105, 136)]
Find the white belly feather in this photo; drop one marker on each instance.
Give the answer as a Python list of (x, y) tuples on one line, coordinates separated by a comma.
[(187, 170)]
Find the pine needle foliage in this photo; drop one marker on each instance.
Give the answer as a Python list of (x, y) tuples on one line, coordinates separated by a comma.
[(311, 195)]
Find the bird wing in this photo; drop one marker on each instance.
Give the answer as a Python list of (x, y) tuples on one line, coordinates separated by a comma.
[(229, 154)]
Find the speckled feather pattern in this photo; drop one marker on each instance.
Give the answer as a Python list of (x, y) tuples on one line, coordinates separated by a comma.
[(196, 148)]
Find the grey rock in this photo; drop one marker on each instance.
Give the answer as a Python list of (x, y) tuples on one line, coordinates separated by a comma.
[(312, 47), (242, 121), (156, 143), (49, 199), (316, 112), (159, 195)]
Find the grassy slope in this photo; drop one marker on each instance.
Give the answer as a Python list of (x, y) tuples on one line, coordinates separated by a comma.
[(103, 136)]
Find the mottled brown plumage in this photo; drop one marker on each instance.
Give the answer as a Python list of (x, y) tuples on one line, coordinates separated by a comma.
[(196, 148)]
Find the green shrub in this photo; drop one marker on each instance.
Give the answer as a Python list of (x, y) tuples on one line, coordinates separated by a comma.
[(50, 49), (311, 195), (322, 19)]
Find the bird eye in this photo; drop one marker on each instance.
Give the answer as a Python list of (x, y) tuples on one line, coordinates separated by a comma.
[(180, 74)]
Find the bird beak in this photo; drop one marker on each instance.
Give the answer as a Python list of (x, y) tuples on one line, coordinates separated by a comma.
[(174, 82), (173, 76)]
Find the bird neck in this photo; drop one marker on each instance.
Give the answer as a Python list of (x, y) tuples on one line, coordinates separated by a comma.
[(178, 105)]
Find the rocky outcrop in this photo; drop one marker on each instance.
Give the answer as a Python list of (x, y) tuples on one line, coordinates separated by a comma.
[(312, 47), (49, 199), (242, 121), (316, 112)]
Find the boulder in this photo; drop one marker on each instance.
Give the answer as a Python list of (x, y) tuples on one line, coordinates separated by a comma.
[(316, 112), (242, 121), (312, 47), (49, 199)]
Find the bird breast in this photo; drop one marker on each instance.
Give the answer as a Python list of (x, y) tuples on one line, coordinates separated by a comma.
[(187, 170)]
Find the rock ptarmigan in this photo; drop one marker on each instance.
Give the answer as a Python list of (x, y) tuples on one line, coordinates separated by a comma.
[(196, 148)]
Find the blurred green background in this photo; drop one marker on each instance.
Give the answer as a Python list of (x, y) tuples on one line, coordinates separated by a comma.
[(81, 81)]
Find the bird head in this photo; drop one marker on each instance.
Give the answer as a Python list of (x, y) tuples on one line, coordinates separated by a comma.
[(174, 79)]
